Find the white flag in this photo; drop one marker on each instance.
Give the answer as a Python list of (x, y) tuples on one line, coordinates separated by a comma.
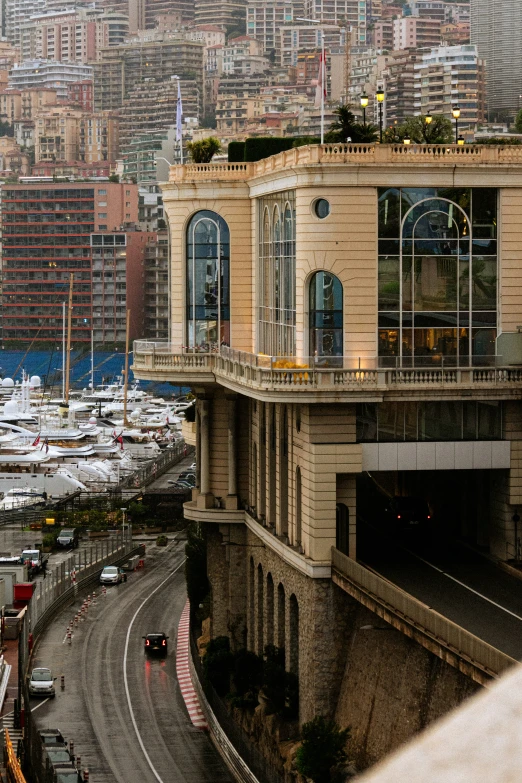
[(320, 90), (179, 115)]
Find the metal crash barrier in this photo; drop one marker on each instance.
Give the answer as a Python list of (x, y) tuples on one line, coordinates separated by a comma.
[(13, 769)]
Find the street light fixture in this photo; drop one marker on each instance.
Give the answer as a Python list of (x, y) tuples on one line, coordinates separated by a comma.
[(364, 104), (428, 119), (406, 140), (461, 141), (456, 114), (380, 98)]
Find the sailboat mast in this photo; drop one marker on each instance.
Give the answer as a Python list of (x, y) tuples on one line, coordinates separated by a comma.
[(126, 381), (63, 350), (68, 349), (92, 360)]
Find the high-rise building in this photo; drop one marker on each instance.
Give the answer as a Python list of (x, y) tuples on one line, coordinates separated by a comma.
[(73, 35), (351, 13), (157, 56), (16, 13), (156, 299), (399, 85), (226, 13), (150, 107), (496, 31), (265, 18), (415, 32), (64, 134), (295, 38), (45, 73), (46, 230), (450, 76), (118, 284)]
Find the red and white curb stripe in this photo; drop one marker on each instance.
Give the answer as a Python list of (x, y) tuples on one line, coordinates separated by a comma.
[(183, 671)]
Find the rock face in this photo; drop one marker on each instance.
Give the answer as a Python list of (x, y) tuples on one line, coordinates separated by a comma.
[(351, 665)]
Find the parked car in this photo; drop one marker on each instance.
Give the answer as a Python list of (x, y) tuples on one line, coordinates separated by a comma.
[(66, 774), (41, 682), (156, 643), (408, 513), (112, 575), (51, 736), (58, 754), (187, 475), (69, 537)]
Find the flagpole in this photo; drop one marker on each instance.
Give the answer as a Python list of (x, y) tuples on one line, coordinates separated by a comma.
[(323, 83)]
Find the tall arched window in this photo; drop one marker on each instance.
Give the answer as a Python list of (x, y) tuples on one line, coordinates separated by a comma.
[(326, 318), (208, 282), (277, 309), (438, 296)]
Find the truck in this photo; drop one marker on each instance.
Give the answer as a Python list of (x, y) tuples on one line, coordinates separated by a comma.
[(36, 561)]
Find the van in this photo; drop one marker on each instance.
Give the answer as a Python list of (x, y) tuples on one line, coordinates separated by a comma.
[(69, 538)]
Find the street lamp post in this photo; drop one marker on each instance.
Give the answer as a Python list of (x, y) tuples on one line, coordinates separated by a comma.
[(427, 122), (456, 114), (364, 104), (380, 99), (123, 511)]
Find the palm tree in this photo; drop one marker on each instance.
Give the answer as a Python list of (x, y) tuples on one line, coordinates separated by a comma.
[(364, 133), (343, 126)]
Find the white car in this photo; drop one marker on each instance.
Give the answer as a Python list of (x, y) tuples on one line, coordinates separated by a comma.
[(41, 682), (112, 575)]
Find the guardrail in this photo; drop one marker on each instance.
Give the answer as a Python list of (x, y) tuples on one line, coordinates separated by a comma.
[(417, 615), (13, 769)]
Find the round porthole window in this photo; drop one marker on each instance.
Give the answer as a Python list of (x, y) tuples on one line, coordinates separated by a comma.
[(322, 208)]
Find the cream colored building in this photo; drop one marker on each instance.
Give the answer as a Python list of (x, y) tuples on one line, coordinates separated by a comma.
[(341, 312), (64, 134)]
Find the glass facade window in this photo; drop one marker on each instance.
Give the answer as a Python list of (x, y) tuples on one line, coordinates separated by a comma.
[(208, 282), (437, 280), (326, 318), (277, 274), (392, 422)]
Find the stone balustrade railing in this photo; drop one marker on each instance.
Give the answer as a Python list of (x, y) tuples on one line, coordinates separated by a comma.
[(381, 154), (258, 371)]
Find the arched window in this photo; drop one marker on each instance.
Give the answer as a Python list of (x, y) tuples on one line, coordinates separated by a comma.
[(438, 295), (208, 282), (326, 318), (277, 309), (298, 510)]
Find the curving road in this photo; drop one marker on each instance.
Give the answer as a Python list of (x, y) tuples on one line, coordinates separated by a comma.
[(124, 711)]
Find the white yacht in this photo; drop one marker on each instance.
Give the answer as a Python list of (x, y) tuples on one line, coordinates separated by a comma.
[(21, 497)]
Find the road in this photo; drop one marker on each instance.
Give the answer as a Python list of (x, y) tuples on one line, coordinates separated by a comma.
[(124, 711), (456, 581)]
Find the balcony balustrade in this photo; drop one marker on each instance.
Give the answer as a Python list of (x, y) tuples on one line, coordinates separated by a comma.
[(259, 372), (442, 154)]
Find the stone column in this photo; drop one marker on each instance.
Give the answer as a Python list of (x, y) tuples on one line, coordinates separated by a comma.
[(231, 501), (205, 498)]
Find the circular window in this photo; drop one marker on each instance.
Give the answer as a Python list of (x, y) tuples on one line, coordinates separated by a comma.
[(322, 208)]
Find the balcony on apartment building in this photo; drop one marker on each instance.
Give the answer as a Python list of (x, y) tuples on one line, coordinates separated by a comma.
[(332, 376)]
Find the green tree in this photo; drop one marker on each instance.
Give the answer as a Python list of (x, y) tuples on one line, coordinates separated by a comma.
[(322, 749), (364, 133), (439, 131), (203, 151), (518, 121), (342, 127)]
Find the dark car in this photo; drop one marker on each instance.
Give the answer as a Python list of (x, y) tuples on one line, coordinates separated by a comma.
[(69, 538), (51, 736), (156, 643), (67, 774), (58, 754), (408, 513)]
